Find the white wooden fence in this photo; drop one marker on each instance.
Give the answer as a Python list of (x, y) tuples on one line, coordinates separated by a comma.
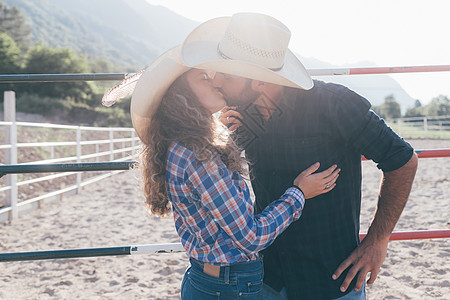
[(422, 127), (81, 144)]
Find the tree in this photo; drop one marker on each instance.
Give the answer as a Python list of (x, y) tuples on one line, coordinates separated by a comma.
[(417, 103), (9, 61), (100, 65), (390, 109), (416, 111), (46, 60), (9, 55), (439, 106), (13, 22)]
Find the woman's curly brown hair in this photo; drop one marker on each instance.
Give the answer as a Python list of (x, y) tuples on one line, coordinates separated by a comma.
[(180, 117)]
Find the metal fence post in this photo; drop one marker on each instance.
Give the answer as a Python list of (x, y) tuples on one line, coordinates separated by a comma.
[(133, 151), (111, 144), (425, 126), (79, 158), (97, 150), (9, 105)]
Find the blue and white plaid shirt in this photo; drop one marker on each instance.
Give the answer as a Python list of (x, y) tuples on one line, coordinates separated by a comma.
[(213, 210)]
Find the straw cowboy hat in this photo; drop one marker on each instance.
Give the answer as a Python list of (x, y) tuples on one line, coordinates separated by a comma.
[(249, 45), (151, 87)]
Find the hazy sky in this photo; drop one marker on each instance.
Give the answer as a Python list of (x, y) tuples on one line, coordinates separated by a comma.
[(383, 32)]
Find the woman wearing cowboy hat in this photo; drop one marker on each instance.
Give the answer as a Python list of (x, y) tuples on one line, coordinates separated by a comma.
[(190, 165)]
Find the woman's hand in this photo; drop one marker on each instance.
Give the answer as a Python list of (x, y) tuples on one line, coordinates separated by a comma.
[(313, 184), (230, 117)]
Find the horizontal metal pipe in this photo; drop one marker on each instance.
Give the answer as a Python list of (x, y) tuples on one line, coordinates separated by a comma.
[(124, 165), (70, 167), (378, 70), (416, 235), (73, 253), (157, 248), (16, 78), (433, 153), (429, 153), (174, 247), (92, 252)]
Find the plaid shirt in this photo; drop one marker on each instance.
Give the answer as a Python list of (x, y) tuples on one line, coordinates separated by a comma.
[(329, 124), (213, 210)]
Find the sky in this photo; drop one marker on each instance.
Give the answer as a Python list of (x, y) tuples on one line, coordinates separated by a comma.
[(380, 32)]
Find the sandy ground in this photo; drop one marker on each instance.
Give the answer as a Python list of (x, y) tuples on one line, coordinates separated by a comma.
[(111, 213)]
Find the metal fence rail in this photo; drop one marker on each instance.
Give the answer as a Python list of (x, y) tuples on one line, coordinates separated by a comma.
[(125, 165), (174, 247), (75, 167), (16, 78)]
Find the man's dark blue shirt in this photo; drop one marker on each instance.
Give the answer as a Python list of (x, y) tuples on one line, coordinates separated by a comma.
[(329, 124)]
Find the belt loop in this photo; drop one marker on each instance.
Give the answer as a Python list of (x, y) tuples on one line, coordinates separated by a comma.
[(226, 274)]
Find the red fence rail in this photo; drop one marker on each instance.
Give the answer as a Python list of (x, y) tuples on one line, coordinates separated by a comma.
[(416, 235), (429, 153)]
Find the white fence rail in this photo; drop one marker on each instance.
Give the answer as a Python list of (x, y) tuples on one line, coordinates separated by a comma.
[(31, 143), (423, 127)]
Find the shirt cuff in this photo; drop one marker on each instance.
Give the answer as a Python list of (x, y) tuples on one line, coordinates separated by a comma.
[(297, 195)]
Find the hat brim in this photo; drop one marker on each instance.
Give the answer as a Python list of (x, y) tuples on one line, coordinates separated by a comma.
[(151, 87), (200, 50)]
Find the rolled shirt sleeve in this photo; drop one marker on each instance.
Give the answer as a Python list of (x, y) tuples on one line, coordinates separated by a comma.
[(367, 133)]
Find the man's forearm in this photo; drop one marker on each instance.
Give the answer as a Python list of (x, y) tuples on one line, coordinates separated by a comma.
[(394, 193), (369, 256)]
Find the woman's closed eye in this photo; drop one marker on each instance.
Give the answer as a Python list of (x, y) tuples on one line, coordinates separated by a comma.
[(206, 76)]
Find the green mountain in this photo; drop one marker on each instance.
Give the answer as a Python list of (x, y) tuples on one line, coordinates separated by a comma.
[(130, 33)]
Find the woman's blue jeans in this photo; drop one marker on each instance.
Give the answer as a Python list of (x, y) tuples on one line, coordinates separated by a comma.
[(239, 281)]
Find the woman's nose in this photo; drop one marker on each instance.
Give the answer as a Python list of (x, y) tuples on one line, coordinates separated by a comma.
[(217, 80)]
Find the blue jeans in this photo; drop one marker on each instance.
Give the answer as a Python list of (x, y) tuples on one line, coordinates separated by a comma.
[(239, 281), (269, 293)]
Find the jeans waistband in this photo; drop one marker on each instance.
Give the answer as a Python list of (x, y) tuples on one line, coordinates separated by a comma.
[(223, 272)]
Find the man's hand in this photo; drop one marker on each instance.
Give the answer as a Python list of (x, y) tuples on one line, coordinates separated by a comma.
[(367, 258), (370, 254), (230, 117)]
